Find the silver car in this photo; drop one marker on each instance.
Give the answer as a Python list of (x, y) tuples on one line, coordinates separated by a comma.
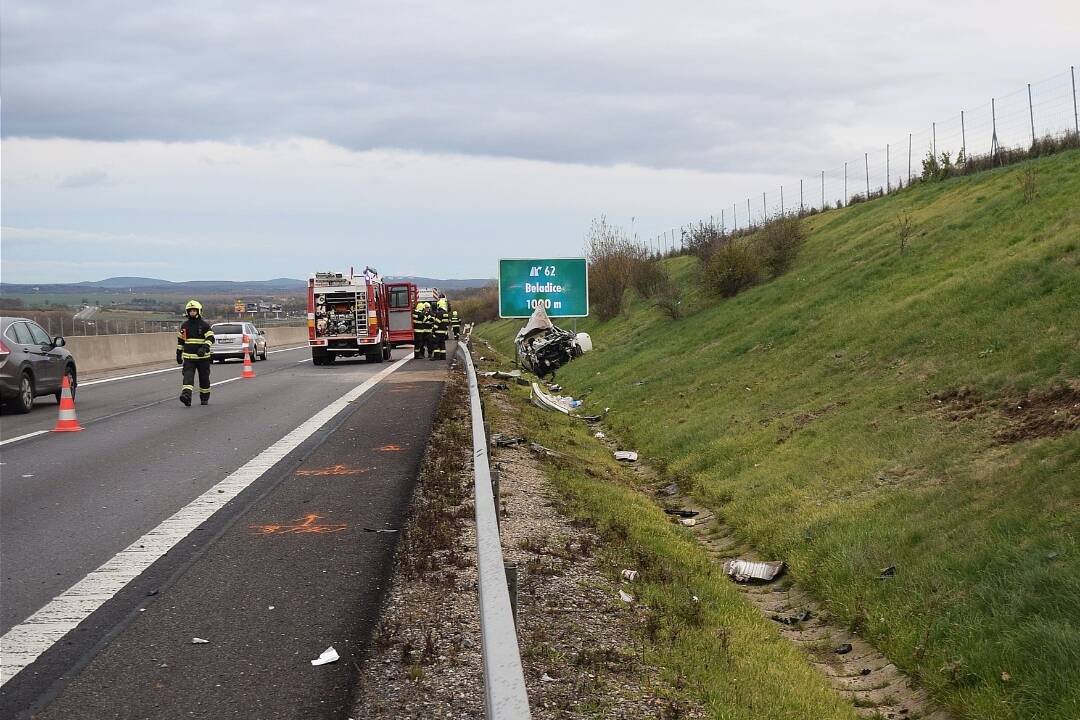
[(229, 341), (32, 364)]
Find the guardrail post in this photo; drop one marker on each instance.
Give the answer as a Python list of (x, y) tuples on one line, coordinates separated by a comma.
[(498, 504), (512, 587)]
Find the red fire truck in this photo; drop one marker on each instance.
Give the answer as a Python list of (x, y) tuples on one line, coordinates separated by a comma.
[(403, 296), (348, 315)]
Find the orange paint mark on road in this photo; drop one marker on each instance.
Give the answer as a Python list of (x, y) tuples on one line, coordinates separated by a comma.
[(332, 470), (390, 448), (305, 524)]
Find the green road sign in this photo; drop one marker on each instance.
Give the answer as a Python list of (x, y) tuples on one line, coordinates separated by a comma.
[(561, 285)]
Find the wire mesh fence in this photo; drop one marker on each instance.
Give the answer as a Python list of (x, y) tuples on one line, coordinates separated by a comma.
[(1043, 113)]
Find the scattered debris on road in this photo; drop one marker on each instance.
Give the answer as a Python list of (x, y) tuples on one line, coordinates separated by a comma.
[(887, 572), (629, 575), (625, 596), (560, 403), (198, 641), (801, 616), (500, 440), (682, 513), (329, 655), (843, 649), (746, 570), (626, 455)]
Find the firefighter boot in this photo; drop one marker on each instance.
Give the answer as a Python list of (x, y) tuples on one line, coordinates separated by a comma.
[(185, 397), (204, 400)]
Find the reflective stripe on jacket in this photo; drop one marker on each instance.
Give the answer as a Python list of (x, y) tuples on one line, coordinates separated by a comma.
[(194, 339)]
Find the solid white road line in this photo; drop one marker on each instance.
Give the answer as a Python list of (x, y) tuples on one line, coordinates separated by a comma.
[(22, 644), (88, 383), (23, 437)]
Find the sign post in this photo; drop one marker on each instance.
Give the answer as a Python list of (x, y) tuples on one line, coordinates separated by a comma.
[(560, 285)]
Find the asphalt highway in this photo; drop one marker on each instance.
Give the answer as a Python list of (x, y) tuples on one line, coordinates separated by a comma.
[(221, 500)]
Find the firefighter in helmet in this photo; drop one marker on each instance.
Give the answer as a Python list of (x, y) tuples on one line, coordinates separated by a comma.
[(421, 330), (439, 330), (193, 352), (455, 323)]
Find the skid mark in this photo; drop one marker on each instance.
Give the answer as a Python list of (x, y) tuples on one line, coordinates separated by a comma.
[(332, 470), (305, 525)]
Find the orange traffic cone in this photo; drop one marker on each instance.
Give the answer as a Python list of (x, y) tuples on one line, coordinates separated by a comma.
[(67, 421), (249, 371)]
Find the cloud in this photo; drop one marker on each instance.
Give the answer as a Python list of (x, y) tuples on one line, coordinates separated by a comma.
[(87, 178), (683, 85)]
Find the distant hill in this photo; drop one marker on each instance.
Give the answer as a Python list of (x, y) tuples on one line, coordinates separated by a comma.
[(442, 284), (150, 285)]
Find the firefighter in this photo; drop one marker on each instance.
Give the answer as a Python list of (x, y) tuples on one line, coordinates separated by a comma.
[(455, 323), (421, 330), (440, 329), (193, 352)]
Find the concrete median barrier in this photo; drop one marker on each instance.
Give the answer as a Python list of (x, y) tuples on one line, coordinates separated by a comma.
[(95, 353)]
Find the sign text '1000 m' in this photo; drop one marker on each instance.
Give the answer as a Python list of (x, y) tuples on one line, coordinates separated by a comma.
[(559, 285)]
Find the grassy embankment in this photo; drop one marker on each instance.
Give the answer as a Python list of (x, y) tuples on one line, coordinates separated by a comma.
[(872, 408)]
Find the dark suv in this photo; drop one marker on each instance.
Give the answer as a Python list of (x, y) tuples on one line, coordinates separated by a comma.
[(31, 363)]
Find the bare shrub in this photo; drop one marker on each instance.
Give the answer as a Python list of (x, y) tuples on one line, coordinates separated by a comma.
[(1029, 185), (904, 230), (669, 298), (613, 258), (647, 277), (703, 240), (778, 243), (732, 268), (479, 307)]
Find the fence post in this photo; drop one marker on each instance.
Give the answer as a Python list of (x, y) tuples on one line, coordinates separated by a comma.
[(909, 158), (764, 210), (963, 136), (1031, 113), (993, 139), (888, 180), (749, 216), (781, 199), (866, 161), (1076, 116)]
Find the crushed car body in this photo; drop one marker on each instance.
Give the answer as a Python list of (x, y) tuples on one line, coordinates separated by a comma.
[(542, 347)]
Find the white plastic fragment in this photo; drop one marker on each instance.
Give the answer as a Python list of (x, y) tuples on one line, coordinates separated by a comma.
[(629, 575), (599, 435), (198, 641), (329, 655), (688, 522), (625, 596), (547, 678), (626, 455), (743, 570)]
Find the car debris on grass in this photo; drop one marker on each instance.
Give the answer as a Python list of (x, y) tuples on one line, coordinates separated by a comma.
[(543, 348)]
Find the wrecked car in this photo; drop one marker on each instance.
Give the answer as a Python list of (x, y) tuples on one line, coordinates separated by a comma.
[(542, 347)]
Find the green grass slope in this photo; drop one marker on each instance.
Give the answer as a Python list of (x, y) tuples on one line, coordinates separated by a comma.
[(871, 409)]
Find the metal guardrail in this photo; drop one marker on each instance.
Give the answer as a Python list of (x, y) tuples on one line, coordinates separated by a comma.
[(505, 697)]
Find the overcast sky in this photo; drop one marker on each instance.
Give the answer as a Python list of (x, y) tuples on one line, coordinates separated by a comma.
[(244, 140)]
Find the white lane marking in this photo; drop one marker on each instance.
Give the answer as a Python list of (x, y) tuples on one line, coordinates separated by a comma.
[(89, 383), (22, 644), (23, 437)]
